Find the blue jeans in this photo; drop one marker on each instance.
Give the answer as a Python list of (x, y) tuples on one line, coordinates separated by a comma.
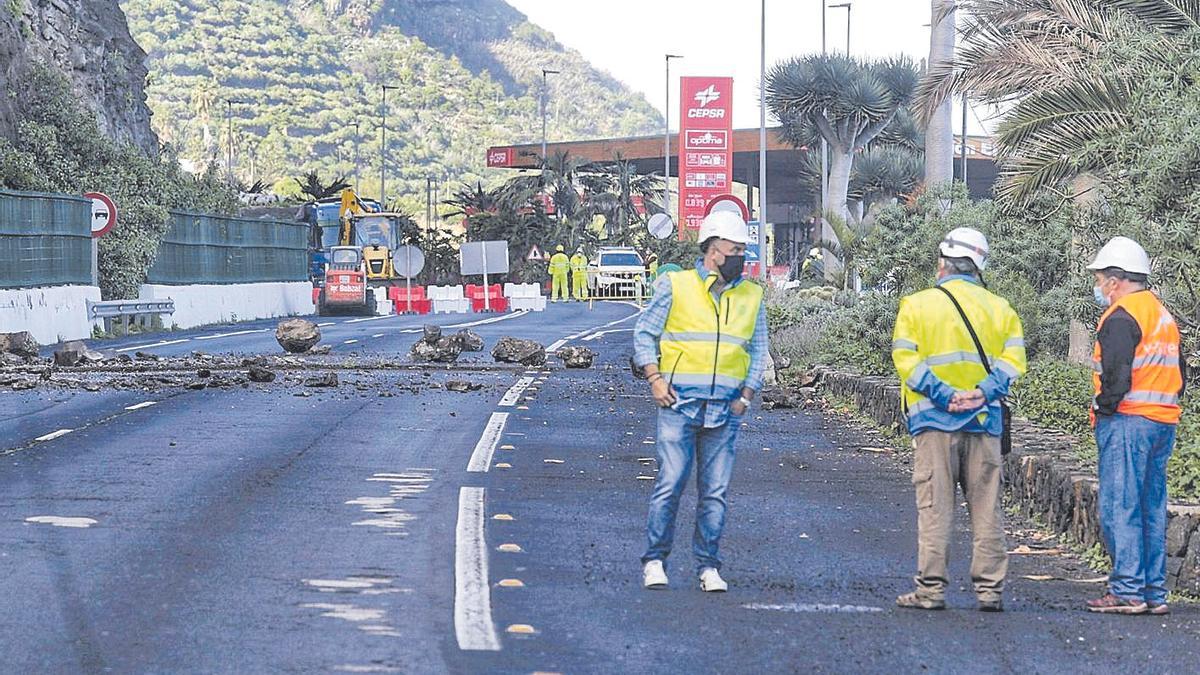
[(1133, 503), (682, 442)]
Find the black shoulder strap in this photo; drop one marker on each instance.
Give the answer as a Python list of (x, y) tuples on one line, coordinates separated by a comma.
[(970, 329)]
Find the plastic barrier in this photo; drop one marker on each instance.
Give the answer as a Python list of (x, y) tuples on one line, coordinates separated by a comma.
[(525, 296), (448, 300), (410, 300)]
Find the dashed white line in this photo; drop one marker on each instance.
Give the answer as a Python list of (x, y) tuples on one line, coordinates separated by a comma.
[(473, 624), (481, 458), (377, 335), (494, 319), (514, 393), (326, 323), (349, 342), (371, 318), (225, 335), (557, 345), (153, 345), (139, 406), (53, 435)]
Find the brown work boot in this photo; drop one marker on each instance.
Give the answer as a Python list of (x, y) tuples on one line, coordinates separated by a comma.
[(919, 601), (1112, 604)]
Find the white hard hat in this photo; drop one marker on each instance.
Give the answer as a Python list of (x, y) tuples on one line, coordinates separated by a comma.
[(1124, 254), (726, 225), (964, 242)]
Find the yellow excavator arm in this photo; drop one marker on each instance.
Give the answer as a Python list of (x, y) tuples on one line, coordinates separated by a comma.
[(350, 207)]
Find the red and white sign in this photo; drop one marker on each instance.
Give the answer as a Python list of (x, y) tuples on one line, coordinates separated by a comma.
[(705, 135), (500, 157), (728, 203), (104, 213)]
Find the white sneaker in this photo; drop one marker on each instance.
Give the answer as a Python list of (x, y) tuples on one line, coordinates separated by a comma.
[(711, 581), (653, 575)]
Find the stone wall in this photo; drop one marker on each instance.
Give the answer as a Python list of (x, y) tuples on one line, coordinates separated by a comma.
[(1043, 478)]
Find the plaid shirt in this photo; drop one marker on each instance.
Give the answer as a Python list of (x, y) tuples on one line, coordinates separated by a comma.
[(653, 321)]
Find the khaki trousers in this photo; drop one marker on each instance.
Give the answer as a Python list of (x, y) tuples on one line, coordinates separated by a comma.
[(943, 461)]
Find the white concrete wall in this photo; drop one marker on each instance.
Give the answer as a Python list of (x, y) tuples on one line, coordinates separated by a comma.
[(51, 314), (201, 305)]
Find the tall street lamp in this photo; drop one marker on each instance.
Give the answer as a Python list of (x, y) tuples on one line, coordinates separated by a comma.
[(357, 142), (667, 138), (762, 144), (229, 121), (383, 148), (824, 143), (545, 96), (845, 6)]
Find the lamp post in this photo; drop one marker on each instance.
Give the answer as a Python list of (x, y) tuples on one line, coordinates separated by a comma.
[(545, 96), (357, 143), (824, 143), (229, 121), (845, 6), (667, 136), (383, 148), (762, 143)]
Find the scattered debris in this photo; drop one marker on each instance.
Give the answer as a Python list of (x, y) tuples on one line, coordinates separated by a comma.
[(22, 385), (576, 357), (197, 385), (323, 380), (204, 373), (297, 336), (145, 356), (258, 373), (778, 398), (462, 386), (517, 350), (20, 343), (320, 350)]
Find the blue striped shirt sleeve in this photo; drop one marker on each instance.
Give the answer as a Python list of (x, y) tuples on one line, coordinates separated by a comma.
[(758, 352)]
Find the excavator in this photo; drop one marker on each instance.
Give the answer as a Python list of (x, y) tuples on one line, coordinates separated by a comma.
[(361, 258)]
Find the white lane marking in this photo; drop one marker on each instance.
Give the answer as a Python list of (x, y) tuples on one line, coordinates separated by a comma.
[(599, 330), (599, 334), (816, 608), (349, 342), (153, 345), (61, 521), (514, 393), (326, 323), (53, 435), (377, 335), (472, 594), (139, 406), (494, 319), (371, 318), (481, 458), (557, 345), (346, 612), (225, 335)]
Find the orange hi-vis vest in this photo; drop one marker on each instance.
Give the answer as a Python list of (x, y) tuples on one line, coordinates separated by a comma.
[(1156, 378)]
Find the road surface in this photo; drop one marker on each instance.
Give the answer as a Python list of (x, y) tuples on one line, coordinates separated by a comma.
[(390, 525)]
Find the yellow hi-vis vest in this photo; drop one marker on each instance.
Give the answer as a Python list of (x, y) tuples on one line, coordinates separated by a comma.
[(579, 263), (560, 264), (705, 346)]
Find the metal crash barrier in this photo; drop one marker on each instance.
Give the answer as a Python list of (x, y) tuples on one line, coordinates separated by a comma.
[(634, 289), (143, 312)]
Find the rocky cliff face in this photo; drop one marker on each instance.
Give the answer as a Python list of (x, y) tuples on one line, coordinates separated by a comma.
[(89, 42)]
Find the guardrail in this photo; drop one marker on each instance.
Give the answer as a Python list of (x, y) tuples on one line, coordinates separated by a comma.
[(142, 311)]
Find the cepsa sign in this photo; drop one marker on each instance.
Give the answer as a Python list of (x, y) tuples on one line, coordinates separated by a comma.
[(500, 157), (705, 146)]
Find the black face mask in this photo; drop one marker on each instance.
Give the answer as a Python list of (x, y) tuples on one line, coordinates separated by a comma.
[(731, 269)]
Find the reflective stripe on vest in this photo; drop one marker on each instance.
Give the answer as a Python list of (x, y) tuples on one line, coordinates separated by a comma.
[(1156, 378), (705, 347)]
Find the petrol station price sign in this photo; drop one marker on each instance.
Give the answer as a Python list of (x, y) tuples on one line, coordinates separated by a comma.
[(705, 146)]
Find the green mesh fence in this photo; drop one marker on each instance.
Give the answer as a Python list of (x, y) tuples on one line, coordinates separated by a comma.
[(45, 240), (205, 249)]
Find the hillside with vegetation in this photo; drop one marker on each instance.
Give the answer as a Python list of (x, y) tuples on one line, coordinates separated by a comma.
[(302, 73)]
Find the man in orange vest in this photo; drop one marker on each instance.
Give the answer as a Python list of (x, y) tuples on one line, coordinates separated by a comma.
[(1139, 378)]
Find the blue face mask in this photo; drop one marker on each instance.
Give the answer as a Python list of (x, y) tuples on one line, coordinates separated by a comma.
[(1100, 298)]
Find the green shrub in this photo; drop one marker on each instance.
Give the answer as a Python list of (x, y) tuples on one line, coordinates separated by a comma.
[(858, 337), (1057, 395), (1183, 473)]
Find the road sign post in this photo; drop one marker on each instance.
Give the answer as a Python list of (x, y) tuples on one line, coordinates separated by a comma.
[(484, 257), (104, 217)]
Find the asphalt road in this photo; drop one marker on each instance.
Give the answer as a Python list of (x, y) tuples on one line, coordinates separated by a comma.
[(280, 529)]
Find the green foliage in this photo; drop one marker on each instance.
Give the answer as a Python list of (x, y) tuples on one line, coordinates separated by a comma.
[(59, 148), (1057, 395), (859, 336), (309, 76), (1183, 471)]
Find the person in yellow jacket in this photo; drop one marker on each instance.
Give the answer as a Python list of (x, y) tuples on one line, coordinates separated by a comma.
[(953, 395), (579, 265), (652, 267), (702, 343), (560, 265), (1139, 376)]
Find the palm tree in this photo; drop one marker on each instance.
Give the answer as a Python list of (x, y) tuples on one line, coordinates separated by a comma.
[(1042, 59), (848, 103)]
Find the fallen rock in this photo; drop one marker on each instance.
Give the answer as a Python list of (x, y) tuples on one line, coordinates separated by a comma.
[(431, 333), (324, 380), (70, 353), (91, 386), (779, 398), (517, 350), (576, 357), (462, 386), (204, 373), (7, 359), (22, 385), (197, 385), (91, 356), (433, 347), (20, 343), (145, 356), (297, 336), (259, 374), (469, 340), (320, 350)]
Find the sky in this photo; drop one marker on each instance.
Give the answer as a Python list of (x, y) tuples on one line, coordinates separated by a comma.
[(629, 38)]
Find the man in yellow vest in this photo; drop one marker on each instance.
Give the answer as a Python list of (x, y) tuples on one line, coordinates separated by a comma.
[(702, 343), (957, 348), (652, 266), (560, 265), (579, 265), (1139, 377)]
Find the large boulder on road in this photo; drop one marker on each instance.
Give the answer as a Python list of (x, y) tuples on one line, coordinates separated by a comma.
[(20, 343), (297, 336), (70, 353), (576, 357), (433, 347), (517, 350)]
